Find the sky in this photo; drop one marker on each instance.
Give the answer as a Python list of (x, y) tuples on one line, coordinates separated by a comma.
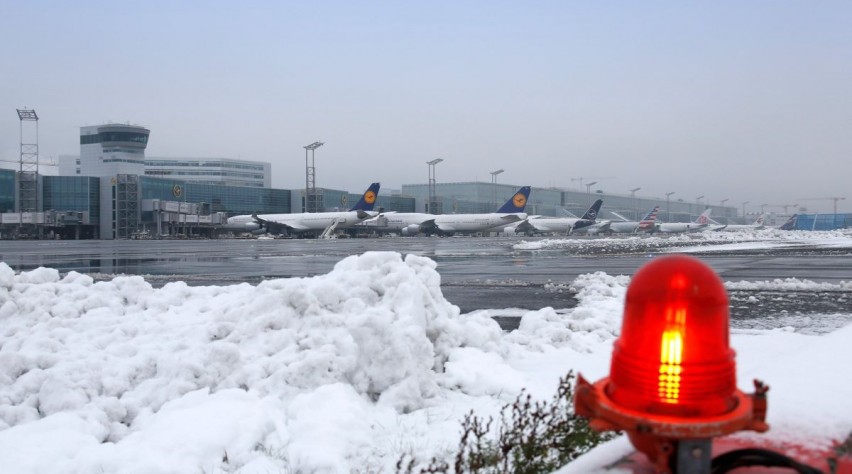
[(341, 372), (745, 101)]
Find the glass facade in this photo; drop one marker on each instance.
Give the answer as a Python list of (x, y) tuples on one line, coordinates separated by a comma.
[(7, 190), (234, 200), (106, 137), (221, 171), (823, 221), (72, 193)]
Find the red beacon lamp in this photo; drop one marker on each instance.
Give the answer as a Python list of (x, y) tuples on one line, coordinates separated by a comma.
[(672, 384)]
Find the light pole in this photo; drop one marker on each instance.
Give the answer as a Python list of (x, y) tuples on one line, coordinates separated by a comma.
[(494, 185), (744, 203), (668, 206), (633, 196), (589, 192), (698, 203), (311, 178), (431, 206)]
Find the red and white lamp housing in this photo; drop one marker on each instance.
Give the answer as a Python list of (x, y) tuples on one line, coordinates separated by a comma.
[(672, 384)]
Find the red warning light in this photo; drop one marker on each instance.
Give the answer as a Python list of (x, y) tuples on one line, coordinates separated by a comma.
[(673, 375), (673, 354)]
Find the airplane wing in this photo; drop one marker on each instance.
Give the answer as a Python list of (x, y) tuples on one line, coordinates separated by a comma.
[(525, 226), (429, 226), (277, 227), (509, 218), (619, 216)]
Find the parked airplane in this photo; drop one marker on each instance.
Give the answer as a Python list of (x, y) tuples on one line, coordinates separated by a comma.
[(647, 224), (760, 223), (411, 223), (327, 222), (566, 225), (676, 227), (790, 224)]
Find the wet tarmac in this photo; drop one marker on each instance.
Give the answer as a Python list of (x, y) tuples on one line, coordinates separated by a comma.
[(477, 273)]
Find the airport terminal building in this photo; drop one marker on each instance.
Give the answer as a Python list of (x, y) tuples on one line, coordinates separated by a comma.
[(113, 191)]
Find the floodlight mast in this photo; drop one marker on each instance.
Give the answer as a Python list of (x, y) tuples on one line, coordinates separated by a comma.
[(431, 208), (28, 166), (494, 185), (311, 178), (589, 192), (668, 205), (635, 206)]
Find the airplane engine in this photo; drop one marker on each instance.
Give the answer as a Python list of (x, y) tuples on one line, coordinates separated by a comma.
[(252, 226), (411, 229), (258, 231)]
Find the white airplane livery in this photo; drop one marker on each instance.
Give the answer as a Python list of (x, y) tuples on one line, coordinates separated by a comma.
[(411, 223), (760, 223), (647, 224), (559, 225), (307, 221), (700, 223)]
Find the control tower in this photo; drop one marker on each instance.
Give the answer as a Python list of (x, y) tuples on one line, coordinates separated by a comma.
[(108, 150)]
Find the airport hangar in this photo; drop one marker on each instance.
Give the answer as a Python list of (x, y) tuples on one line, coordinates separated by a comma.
[(112, 191)]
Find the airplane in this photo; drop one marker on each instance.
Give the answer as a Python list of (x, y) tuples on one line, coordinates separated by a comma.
[(790, 224), (537, 224), (677, 227), (411, 223), (298, 223), (760, 223), (647, 224)]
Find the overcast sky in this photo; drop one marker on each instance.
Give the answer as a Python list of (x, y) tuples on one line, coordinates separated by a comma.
[(750, 101)]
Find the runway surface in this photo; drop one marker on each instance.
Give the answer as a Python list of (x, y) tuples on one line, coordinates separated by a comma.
[(477, 273)]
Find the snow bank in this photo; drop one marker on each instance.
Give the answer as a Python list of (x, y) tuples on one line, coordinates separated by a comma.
[(333, 373)]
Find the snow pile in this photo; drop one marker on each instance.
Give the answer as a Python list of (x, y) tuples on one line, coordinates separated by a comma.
[(697, 242), (596, 318), (334, 373), (118, 361), (789, 284)]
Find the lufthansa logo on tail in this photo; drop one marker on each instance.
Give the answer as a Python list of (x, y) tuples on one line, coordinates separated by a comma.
[(369, 197), (519, 200), (592, 214)]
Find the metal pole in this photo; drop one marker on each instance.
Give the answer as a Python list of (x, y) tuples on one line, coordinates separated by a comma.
[(668, 205), (432, 204), (589, 192), (635, 204), (494, 186), (310, 178)]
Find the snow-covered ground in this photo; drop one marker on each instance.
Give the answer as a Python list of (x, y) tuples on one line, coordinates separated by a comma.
[(341, 372), (698, 242)]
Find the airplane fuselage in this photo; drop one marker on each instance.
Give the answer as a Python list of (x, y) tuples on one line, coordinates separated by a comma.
[(301, 222), (411, 223)]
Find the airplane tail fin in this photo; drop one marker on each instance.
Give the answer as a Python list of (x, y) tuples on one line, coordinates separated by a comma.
[(518, 201), (761, 220), (368, 199), (790, 224), (593, 211), (704, 218), (649, 222)]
